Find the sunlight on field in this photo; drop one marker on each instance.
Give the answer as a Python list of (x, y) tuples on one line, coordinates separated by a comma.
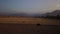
[(24, 20)]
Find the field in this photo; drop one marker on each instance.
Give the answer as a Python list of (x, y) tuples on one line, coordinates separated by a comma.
[(29, 20), (29, 25)]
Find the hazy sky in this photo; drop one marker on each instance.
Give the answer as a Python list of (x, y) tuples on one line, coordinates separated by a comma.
[(29, 6)]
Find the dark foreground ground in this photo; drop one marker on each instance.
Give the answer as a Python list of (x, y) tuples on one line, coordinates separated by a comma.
[(29, 29)]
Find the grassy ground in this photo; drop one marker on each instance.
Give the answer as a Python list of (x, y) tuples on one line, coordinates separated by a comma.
[(26, 20), (25, 25)]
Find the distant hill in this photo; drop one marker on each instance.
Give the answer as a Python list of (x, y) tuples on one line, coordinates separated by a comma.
[(54, 13)]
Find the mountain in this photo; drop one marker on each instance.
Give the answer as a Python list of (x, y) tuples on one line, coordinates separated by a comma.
[(18, 14), (53, 13)]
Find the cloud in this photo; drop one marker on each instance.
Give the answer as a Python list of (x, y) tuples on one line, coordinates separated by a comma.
[(58, 6), (51, 8)]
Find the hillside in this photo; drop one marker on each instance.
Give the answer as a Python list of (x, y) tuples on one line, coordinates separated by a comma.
[(54, 13)]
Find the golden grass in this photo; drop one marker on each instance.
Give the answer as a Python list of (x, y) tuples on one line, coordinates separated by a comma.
[(26, 20)]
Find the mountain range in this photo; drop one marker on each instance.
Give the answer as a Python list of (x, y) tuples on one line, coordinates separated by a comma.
[(53, 13)]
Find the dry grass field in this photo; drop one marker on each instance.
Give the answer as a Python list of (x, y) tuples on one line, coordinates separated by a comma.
[(28, 25), (29, 20)]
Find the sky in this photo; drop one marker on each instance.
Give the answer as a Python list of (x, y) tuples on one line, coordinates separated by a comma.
[(29, 6)]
